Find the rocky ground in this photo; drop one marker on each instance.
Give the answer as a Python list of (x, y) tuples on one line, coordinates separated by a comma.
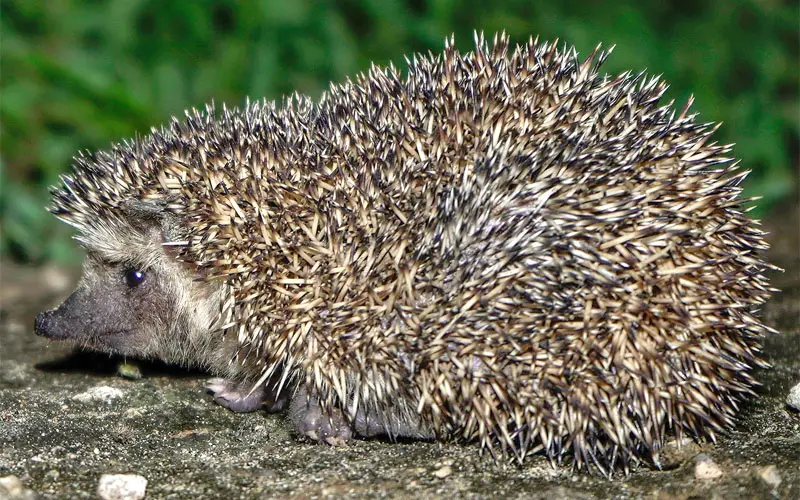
[(68, 418)]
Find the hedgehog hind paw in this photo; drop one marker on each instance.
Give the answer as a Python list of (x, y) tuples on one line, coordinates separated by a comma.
[(313, 422), (239, 398)]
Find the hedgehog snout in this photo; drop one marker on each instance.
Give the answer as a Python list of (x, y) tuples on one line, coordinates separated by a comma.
[(49, 324), (59, 322), (43, 324)]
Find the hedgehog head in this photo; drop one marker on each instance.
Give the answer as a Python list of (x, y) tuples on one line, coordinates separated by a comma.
[(136, 298)]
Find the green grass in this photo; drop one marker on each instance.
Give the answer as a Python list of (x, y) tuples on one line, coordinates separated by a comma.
[(82, 74)]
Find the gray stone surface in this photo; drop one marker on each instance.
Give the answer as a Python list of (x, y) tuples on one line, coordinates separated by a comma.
[(67, 418)]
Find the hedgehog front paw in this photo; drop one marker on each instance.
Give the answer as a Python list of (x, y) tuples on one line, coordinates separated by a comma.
[(312, 422), (235, 397), (243, 398)]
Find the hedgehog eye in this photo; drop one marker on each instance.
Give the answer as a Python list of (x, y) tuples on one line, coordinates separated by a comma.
[(134, 277)]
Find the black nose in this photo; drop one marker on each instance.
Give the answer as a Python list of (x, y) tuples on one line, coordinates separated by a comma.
[(41, 324)]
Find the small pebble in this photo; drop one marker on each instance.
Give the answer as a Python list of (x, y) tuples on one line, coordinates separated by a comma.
[(11, 485), (770, 475), (443, 472), (100, 393), (705, 468), (121, 487), (11, 488), (793, 399)]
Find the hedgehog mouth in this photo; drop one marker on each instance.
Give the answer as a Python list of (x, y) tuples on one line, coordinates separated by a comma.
[(116, 341), (113, 342)]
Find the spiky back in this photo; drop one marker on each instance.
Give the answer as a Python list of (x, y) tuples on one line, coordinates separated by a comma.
[(525, 251)]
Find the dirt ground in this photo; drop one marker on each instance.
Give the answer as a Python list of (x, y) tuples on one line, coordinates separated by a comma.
[(67, 417)]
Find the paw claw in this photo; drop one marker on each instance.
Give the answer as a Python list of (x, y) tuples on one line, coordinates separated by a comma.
[(216, 385), (237, 398)]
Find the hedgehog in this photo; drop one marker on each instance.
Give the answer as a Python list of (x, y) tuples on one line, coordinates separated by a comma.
[(505, 246)]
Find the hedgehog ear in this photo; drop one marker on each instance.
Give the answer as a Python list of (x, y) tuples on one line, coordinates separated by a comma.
[(148, 214)]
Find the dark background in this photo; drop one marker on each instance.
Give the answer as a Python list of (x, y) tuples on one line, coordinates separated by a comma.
[(82, 74)]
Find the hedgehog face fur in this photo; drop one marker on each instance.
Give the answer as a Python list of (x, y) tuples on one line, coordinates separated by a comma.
[(507, 247), (135, 297)]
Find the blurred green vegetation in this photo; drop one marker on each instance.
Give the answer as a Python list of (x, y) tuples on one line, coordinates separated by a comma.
[(83, 74)]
